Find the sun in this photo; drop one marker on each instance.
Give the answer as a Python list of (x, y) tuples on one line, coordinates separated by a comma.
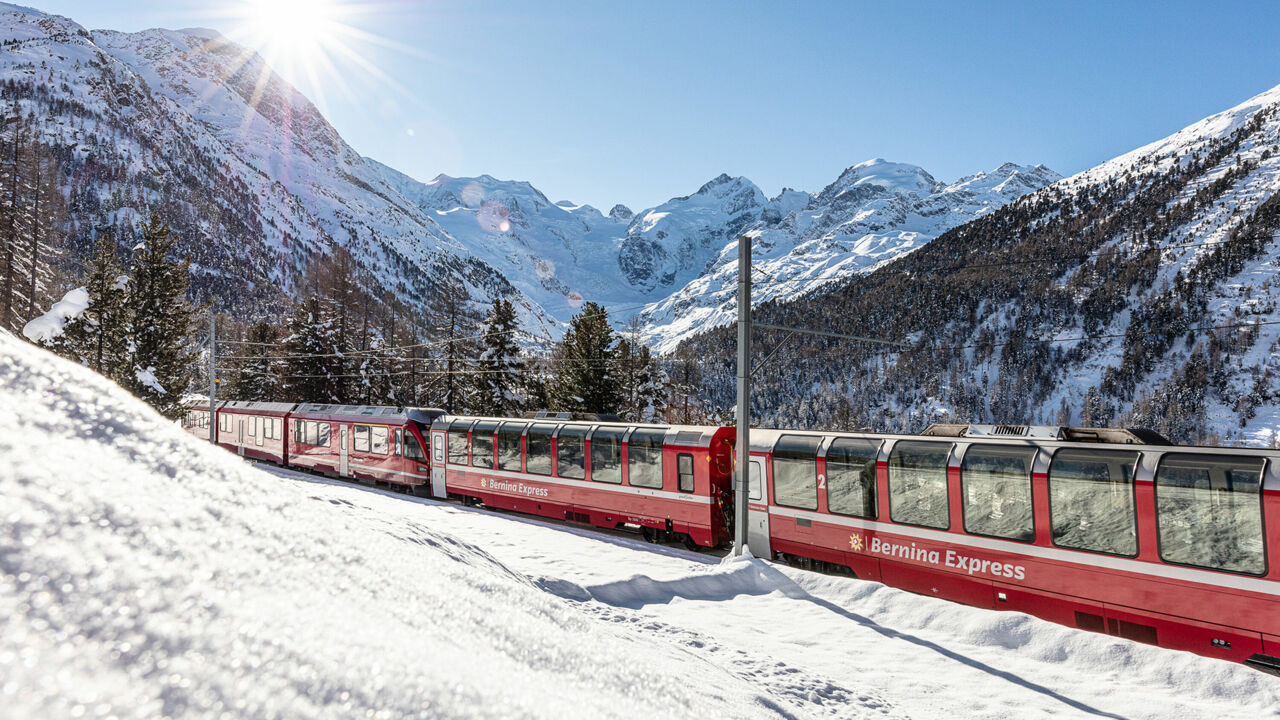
[(292, 31)]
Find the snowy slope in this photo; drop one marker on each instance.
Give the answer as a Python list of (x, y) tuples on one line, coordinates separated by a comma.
[(144, 573)]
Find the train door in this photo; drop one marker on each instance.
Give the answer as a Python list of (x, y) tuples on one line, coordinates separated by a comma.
[(240, 436), (344, 462), (437, 465), (757, 512)]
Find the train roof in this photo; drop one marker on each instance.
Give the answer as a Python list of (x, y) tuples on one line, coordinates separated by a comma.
[(693, 435), (368, 412), (252, 406)]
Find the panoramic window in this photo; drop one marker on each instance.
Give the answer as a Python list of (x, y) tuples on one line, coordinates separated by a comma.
[(995, 482), (795, 471), (851, 477), (538, 444), (412, 449), (918, 484), (684, 472), (1091, 504), (644, 458), (482, 444), (1209, 512), (459, 446), (509, 438), (571, 456), (606, 455)]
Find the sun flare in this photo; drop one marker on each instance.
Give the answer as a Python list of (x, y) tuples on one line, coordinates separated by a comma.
[(292, 30)]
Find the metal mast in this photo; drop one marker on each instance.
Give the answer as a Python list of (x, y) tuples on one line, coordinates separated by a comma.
[(742, 470), (213, 377)]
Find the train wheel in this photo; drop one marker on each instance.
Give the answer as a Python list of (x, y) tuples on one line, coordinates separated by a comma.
[(649, 534), (689, 543)]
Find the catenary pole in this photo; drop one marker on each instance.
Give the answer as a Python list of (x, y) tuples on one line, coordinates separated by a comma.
[(742, 472), (213, 377)]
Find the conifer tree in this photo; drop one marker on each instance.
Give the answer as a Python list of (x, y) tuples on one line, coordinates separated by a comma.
[(456, 324), (642, 380), (97, 339), (315, 367), (161, 364), (586, 364), (257, 377), (499, 380)]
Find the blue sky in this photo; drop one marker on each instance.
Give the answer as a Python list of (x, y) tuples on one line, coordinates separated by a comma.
[(635, 102)]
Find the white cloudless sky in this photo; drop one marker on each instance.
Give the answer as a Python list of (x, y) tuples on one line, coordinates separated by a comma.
[(636, 102)]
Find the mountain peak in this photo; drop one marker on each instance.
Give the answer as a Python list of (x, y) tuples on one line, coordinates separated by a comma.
[(621, 213)]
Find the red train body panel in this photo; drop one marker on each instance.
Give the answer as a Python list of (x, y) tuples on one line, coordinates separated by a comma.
[(369, 443), (254, 429)]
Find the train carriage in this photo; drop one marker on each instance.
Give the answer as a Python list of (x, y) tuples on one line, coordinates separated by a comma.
[(254, 429), (670, 481), (196, 419), (370, 443), (1106, 530)]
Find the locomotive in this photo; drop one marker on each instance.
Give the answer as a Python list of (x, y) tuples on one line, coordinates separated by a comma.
[(1113, 531)]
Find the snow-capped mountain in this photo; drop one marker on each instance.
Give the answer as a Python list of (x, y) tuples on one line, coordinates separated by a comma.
[(874, 212), (1142, 292), (256, 183)]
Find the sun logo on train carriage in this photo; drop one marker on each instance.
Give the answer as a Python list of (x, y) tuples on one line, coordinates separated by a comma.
[(855, 542), (484, 483)]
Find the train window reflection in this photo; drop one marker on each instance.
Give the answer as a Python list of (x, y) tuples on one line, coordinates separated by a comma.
[(1091, 502), (1209, 512), (538, 449), (995, 482), (509, 446), (606, 455), (795, 472), (644, 458), (918, 484), (459, 447), (482, 444), (851, 477), (571, 454)]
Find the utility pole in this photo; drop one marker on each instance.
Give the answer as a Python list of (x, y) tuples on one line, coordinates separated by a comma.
[(743, 470), (213, 376)]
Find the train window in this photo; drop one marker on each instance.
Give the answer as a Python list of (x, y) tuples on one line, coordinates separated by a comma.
[(399, 442), (482, 444), (360, 438), (995, 483), (1209, 512), (378, 440), (571, 454), (538, 449), (459, 447), (509, 437), (851, 477), (755, 490), (918, 484), (253, 425), (795, 472), (644, 458), (322, 435), (1091, 502), (684, 472), (412, 449), (606, 455)]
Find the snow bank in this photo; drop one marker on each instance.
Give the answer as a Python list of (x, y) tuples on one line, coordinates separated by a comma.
[(52, 324), (146, 574)]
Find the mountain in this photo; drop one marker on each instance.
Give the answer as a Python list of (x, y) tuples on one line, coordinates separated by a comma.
[(874, 212), (257, 184), (1142, 292)]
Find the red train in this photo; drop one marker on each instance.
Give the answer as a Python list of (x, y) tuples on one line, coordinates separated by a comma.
[(1106, 530)]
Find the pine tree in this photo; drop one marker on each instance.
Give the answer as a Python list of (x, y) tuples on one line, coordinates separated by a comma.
[(257, 376), (315, 367), (499, 380), (97, 339), (586, 364), (642, 381), (161, 322)]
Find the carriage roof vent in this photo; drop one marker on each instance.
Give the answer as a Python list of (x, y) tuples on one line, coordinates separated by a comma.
[(1042, 432)]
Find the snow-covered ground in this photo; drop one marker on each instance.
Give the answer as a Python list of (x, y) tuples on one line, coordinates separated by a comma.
[(146, 574)]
